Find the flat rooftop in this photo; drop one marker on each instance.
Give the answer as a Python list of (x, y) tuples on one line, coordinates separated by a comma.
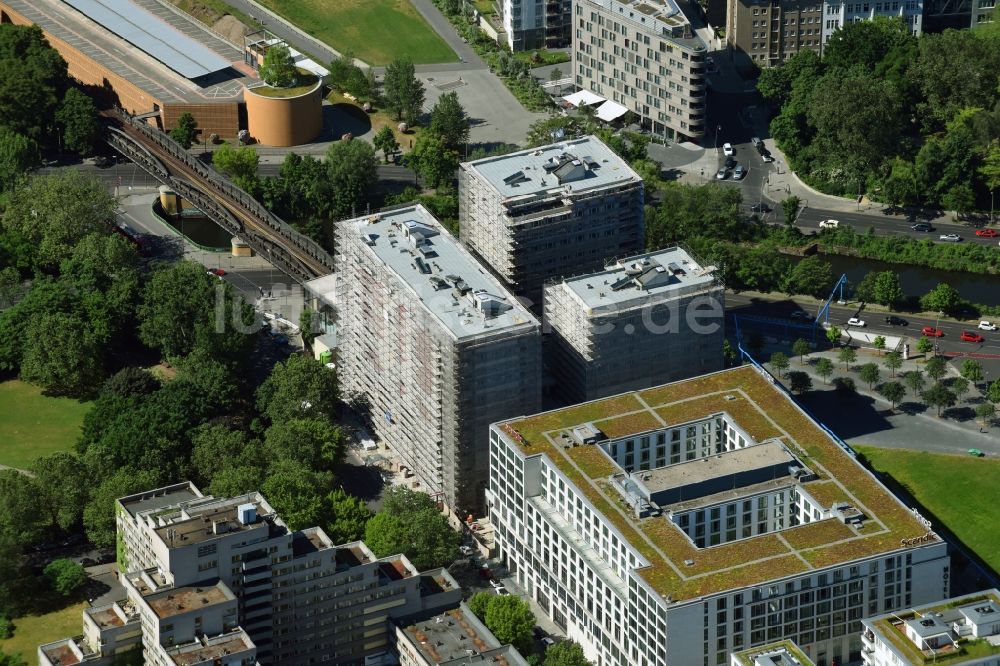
[(208, 522), (129, 61), (569, 166), (685, 473), (764, 412), (436, 268), (160, 498), (447, 636), (61, 652), (224, 648), (178, 600), (661, 17), (663, 273), (780, 653)]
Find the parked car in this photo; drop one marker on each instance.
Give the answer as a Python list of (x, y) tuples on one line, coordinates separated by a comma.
[(931, 332), (727, 149), (548, 641), (739, 172), (730, 162), (829, 224), (766, 157), (976, 452), (856, 321), (987, 326), (760, 208), (987, 233), (893, 320), (921, 226), (465, 550), (950, 238), (757, 143), (216, 271), (722, 173), (970, 336)]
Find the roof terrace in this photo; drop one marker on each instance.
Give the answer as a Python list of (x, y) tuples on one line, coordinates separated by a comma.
[(177, 600), (676, 567), (780, 653), (209, 650)]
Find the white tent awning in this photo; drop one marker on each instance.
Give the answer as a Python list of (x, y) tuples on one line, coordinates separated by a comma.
[(583, 98), (611, 110)]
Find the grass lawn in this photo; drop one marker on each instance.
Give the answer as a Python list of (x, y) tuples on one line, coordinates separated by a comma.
[(545, 58), (31, 631), (377, 31), (484, 6), (953, 488), (33, 425)]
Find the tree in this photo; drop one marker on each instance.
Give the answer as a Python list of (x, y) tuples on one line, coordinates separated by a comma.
[(959, 386), (811, 276), (215, 447), (240, 164), (914, 380), (296, 493), (60, 501), (894, 392), (799, 382), (404, 94), (314, 442), (936, 368), (972, 370), (893, 361), (33, 80), (924, 345), (565, 653), (479, 602), (939, 396), (298, 388), (790, 208), (77, 116), (412, 524), (511, 621), (185, 132), (887, 288), (869, 373), (729, 353), (901, 187), (555, 75), (942, 298), (865, 43), (990, 171), (847, 355), (800, 348), (352, 171), (879, 344), (11, 659), (65, 576), (833, 335), (985, 411), (387, 534), (61, 354), (950, 70), (234, 480), (99, 514), (349, 515), (844, 386), (824, 368), (385, 140), (278, 69), (55, 212), (18, 155), (779, 361), (20, 522), (432, 160), (993, 391), (449, 121)]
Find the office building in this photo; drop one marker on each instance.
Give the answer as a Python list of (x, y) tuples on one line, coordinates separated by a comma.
[(644, 56), (536, 24), (549, 212), (681, 523), (454, 637), (837, 14), (433, 346), (781, 653), (960, 631), (224, 581), (765, 33), (643, 321)]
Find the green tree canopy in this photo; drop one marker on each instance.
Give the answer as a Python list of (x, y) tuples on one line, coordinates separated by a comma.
[(99, 514), (972, 370), (893, 361), (351, 167), (62, 355), (61, 500), (847, 355), (278, 69), (385, 140), (939, 396), (348, 516), (942, 298), (240, 164), (297, 388), (865, 43), (799, 382), (479, 602), (65, 576), (314, 442), (824, 368), (296, 493), (511, 621), (869, 373), (812, 276), (914, 380), (432, 160), (411, 523), (77, 118), (894, 392), (936, 368), (33, 79), (779, 361), (18, 155), (185, 131), (403, 92), (449, 121), (566, 653)]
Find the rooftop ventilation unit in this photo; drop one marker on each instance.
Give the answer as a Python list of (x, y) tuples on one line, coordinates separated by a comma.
[(246, 514), (515, 179)]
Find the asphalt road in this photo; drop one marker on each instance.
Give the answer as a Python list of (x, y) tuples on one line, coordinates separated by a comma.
[(890, 225), (731, 120)]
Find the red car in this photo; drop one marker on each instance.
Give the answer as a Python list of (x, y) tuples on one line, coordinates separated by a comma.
[(987, 233), (932, 332), (969, 336), (217, 271)]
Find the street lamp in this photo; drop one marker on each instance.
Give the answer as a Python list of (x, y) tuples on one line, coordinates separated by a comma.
[(718, 128)]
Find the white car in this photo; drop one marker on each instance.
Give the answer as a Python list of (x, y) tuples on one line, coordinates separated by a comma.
[(495, 584), (465, 550), (829, 224), (727, 150), (950, 238), (855, 321), (987, 326)]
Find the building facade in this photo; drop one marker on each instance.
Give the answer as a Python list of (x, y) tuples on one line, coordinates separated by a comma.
[(837, 14), (548, 212), (433, 346), (536, 24), (643, 55), (679, 524), (454, 637), (663, 307), (961, 631), (224, 581)]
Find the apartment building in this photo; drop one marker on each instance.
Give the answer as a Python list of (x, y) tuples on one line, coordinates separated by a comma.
[(548, 212), (536, 24), (664, 308), (837, 14), (982, 11), (643, 55), (434, 346), (781, 653), (961, 631), (455, 637), (224, 581), (768, 32), (681, 523)]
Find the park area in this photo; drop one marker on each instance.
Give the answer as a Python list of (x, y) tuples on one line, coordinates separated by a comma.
[(376, 31), (952, 488), (33, 425), (30, 631)]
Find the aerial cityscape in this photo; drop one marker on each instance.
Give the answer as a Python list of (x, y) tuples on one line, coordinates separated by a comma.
[(513, 332)]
